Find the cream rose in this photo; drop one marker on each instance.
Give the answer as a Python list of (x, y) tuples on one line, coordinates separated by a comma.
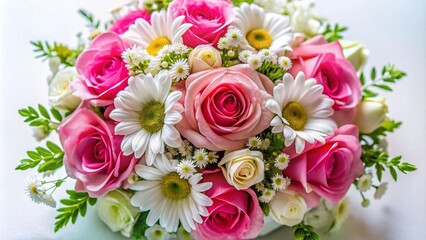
[(204, 57), (243, 168), (60, 95), (288, 208), (355, 53), (116, 212), (371, 113)]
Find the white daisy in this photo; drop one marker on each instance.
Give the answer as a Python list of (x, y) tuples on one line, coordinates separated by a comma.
[(179, 48), (179, 70), (282, 161), (302, 111), (255, 61), (163, 30), (34, 188), (201, 157), (268, 55), (263, 30), (147, 112), (186, 148), (260, 187), (285, 62), (265, 144), (156, 232), (244, 55), (279, 183), (186, 168), (223, 43), (267, 195), (213, 157), (254, 142), (365, 182), (381, 190), (49, 200), (169, 198), (235, 36)]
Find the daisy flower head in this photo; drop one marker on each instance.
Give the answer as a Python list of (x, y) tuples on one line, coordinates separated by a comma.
[(244, 55), (186, 148), (302, 111), (213, 157), (263, 30), (147, 112), (285, 62), (282, 161), (234, 35), (186, 169), (223, 43), (170, 198), (279, 183), (255, 61), (254, 142), (34, 188), (268, 55), (365, 182), (163, 30), (267, 195), (179, 48), (179, 70), (201, 157)]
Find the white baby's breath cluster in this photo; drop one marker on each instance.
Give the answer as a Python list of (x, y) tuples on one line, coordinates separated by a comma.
[(173, 58), (137, 60), (257, 143)]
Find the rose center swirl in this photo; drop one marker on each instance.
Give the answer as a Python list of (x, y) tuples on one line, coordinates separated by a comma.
[(152, 116), (296, 116)]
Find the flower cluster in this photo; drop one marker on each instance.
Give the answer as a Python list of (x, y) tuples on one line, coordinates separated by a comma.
[(200, 117)]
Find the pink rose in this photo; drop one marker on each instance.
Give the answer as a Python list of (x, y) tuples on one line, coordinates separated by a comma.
[(224, 107), (326, 63), (102, 70), (235, 214), (326, 170), (209, 18), (122, 25), (92, 153)]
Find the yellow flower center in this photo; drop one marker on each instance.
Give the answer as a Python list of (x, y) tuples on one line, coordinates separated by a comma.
[(156, 45), (152, 116), (259, 38), (174, 187), (295, 114)]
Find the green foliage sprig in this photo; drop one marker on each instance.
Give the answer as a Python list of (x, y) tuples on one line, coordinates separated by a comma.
[(75, 205), (47, 159), (140, 226), (42, 118), (92, 23), (389, 75), (333, 33), (304, 232), (46, 50)]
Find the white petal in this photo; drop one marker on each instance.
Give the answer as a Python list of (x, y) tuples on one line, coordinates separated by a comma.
[(148, 173), (140, 141), (201, 198), (127, 128), (156, 144), (182, 217), (172, 99), (278, 128), (273, 106), (202, 187), (144, 185), (121, 115), (195, 178), (300, 145), (172, 117)]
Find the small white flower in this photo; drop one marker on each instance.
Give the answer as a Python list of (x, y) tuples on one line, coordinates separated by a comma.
[(282, 161), (285, 62), (172, 151), (186, 168), (49, 200), (134, 56), (186, 149), (365, 182), (201, 158), (265, 144), (179, 70), (234, 36), (279, 183), (34, 188), (381, 190), (255, 61), (365, 203), (244, 55), (267, 195), (164, 64), (260, 187), (213, 157), (223, 43), (230, 53), (164, 51), (156, 232), (254, 142), (268, 55), (179, 48)]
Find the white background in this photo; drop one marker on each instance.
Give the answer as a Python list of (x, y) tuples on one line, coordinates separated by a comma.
[(393, 30)]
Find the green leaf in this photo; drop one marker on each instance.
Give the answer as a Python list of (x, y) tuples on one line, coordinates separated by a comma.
[(43, 111), (46, 159), (53, 147), (393, 173), (384, 87), (43, 152), (56, 114), (27, 164), (34, 155), (140, 226), (304, 232), (362, 79), (373, 74)]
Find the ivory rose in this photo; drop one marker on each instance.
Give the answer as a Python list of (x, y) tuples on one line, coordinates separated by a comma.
[(326, 170), (60, 95), (209, 18), (326, 63), (372, 112), (235, 214), (288, 208), (224, 107), (122, 25), (92, 153), (102, 71), (204, 57), (243, 168)]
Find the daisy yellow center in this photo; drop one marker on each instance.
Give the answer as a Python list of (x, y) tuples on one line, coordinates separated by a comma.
[(174, 187), (152, 116), (278, 181), (158, 234), (34, 189), (295, 114), (259, 38), (156, 45)]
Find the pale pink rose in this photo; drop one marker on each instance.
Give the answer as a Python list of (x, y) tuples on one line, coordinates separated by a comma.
[(235, 214), (92, 153), (122, 25), (209, 18), (102, 72), (224, 107), (326, 63), (326, 170)]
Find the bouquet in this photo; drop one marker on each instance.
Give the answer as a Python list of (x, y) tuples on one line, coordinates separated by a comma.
[(203, 118)]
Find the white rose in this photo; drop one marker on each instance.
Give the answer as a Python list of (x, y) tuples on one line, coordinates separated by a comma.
[(288, 208), (156, 232), (243, 168), (371, 113), (204, 57), (341, 213), (60, 95), (320, 218), (355, 53), (303, 19), (116, 212)]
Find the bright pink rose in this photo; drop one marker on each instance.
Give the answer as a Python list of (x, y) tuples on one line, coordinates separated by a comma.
[(326, 170), (326, 63), (92, 153), (209, 18), (102, 72), (235, 214), (224, 107), (122, 25)]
